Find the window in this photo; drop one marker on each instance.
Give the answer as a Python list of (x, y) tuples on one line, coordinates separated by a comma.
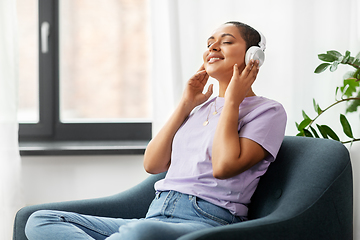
[(84, 70)]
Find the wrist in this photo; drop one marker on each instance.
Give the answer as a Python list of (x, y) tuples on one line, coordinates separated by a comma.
[(184, 108), (233, 104)]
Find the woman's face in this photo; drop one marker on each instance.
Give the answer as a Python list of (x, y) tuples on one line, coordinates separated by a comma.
[(226, 48)]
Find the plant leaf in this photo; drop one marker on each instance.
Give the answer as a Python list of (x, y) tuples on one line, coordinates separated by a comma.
[(322, 131), (307, 133), (346, 126), (356, 62), (304, 115), (316, 107), (327, 57), (330, 132), (335, 54), (304, 123), (351, 84), (314, 132), (301, 134), (354, 104), (356, 74), (358, 56), (334, 66), (346, 57), (322, 67), (336, 91)]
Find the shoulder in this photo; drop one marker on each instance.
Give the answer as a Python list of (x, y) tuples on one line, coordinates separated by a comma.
[(260, 107)]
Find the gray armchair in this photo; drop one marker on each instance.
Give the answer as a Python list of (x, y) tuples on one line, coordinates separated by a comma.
[(307, 193)]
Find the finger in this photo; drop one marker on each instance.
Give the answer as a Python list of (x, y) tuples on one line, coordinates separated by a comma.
[(254, 71), (201, 68), (252, 68), (236, 70), (255, 68), (202, 76), (245, 73), (206, 77)]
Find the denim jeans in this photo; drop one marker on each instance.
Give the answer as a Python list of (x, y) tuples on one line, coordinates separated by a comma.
[(170, 215)]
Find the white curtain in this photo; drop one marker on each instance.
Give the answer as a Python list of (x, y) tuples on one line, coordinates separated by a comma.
[(296, 32), (10, 197)]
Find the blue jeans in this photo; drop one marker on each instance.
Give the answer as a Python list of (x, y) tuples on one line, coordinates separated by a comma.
[(170, 215)]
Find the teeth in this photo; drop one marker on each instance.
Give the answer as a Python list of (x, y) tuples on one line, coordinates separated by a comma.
[(213, 59)]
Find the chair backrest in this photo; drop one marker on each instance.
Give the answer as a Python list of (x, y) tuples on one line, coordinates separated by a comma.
[(303, 171)]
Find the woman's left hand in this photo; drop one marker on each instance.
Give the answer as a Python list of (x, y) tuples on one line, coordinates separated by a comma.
[(231, 154), (241, 82)]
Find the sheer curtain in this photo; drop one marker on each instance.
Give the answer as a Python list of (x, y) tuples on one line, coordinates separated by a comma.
[(10, 199), (296, 32)]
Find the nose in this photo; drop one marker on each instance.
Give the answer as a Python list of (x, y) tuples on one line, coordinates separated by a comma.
[(215, 47)]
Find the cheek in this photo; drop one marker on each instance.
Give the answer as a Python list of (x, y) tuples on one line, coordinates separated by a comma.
[(238, 56), (205, 54)]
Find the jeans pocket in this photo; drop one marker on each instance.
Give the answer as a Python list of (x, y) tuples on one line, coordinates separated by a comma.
[(212, 212), (156, 205)]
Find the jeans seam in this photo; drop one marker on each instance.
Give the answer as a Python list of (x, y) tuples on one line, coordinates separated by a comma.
[(179, 195), (71, 220), (166, 202)]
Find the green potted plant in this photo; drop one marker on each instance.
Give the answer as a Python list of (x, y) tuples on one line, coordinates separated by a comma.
[(348, 93)]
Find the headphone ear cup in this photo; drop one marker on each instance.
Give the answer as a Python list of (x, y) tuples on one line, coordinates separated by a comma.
[(255, 53)]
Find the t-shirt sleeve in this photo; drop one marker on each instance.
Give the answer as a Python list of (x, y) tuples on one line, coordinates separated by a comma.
[(266, 126)]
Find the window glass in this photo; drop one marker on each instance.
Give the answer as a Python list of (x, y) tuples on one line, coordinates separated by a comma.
[(104, 60), (28, 109)]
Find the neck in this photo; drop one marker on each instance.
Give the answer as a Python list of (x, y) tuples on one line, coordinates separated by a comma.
[(223, 87)]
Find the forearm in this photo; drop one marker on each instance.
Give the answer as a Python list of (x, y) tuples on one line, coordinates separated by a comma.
[(226, 147), (157, 155)]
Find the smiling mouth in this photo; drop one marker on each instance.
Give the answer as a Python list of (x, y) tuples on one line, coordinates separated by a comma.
[(214, 59)]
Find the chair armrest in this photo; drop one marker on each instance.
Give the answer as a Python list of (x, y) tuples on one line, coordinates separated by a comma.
[(132, 203)]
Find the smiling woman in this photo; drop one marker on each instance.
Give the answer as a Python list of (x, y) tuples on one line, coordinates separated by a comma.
[(212, 169)]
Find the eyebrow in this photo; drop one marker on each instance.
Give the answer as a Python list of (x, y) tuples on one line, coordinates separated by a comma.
[(222, 35)]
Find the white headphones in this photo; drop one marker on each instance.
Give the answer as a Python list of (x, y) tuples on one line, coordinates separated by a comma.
[(255, 52)]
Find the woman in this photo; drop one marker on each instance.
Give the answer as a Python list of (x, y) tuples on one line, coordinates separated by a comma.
[(214, 152)]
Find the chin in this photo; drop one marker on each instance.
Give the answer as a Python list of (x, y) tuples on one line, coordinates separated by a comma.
[(213, 70), (218, 73)]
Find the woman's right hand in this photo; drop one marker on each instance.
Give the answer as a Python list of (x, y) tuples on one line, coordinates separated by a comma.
[(193, 94), (157, 157)]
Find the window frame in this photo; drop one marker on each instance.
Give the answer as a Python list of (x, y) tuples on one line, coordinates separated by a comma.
[(49, 127)]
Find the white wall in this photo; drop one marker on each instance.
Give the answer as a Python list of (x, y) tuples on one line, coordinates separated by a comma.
[(62, 178)]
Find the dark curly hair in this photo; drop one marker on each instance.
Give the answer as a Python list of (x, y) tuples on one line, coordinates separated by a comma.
[(249, 34)]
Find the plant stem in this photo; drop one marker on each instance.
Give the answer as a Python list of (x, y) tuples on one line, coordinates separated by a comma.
[(350, 141), (353, 65), (337, 102)]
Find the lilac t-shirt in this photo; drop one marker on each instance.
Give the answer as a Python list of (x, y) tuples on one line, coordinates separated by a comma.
[(260, 119)]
